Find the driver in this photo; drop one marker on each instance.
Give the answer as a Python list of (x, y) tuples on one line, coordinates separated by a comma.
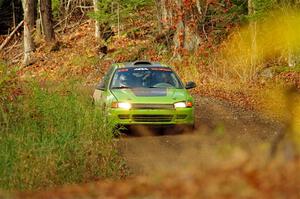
[(162, 77), (124, 80)]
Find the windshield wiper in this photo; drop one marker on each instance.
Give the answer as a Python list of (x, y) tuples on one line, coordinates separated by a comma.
[(155, 87), (120, 87), (161, 87)]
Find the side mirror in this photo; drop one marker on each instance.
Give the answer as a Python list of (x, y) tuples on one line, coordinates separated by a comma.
[(190, 85), (100, 86)]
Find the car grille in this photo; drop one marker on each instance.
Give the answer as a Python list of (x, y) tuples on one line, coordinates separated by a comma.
[(152, 106), (124, 117), (152, 118)]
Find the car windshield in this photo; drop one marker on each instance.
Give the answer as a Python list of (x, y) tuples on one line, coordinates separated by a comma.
[(148, 77)]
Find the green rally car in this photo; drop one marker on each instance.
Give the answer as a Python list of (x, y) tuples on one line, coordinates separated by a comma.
[(145, 93)]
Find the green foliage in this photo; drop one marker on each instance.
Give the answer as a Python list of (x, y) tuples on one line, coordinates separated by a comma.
[(135, 4), (288, 69), (222, 17), (262, 7), (105, 13), (82, 60), (8, 85), (288, 4), (238, 11), (54, 135), (108, 10), (55, 8)]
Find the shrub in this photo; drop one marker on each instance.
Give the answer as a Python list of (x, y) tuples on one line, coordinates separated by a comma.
[(108, 9), (54, 135)]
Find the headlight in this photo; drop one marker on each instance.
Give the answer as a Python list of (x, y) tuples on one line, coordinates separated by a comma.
[(180, 105), (183, 105), (123, 105)]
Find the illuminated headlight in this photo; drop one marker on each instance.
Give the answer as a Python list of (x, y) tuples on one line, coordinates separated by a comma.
[(180, 105), (183, 105), (122, 105)]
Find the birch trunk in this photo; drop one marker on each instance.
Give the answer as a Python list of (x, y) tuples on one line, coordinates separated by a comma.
[(97, 24), (28, 41)]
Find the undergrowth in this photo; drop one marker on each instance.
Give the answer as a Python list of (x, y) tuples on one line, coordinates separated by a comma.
[(288, 69), (51, 134)]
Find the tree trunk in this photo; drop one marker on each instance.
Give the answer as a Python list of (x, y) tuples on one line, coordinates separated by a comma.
[(159, 15), (162, 14), (14, 14), (33, 11), (175, 13), (28, 41), (179, 38), (97, 24), (165, 12), (46, 16)]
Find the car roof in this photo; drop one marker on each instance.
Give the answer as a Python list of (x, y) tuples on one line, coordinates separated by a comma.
[(140, 63)]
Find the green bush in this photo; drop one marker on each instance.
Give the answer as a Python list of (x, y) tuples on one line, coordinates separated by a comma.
[(55, 8), (108, 9), (54, 135)]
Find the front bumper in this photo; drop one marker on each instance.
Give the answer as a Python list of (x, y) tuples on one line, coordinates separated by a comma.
[(180, 116)]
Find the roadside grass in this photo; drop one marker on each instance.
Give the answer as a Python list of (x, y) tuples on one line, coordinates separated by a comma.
[(52, 135), (83, 60), (283, 69)]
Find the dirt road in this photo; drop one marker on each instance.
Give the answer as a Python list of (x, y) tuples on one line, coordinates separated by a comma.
[(221, 126), (209, 163)]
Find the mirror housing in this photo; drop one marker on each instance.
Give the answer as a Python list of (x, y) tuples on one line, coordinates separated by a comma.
[(100, 86), (190, 85)]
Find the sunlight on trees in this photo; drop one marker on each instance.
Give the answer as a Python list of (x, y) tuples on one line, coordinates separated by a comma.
[(275, 37), (109, 13)]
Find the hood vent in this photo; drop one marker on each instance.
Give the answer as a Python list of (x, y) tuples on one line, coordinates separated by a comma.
[(142, 63)]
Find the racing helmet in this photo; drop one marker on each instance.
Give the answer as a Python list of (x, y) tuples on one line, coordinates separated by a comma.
[(124, 80)]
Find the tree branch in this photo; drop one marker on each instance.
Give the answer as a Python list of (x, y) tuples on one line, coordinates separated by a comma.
[(11, 35)]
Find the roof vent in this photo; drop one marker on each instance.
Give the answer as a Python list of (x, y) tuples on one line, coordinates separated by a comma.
[(142, 63)]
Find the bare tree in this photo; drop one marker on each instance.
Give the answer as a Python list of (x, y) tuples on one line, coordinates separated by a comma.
[(28, 27), (46, 16)]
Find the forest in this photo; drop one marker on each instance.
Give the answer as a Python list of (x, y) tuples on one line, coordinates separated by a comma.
[(244, 56)]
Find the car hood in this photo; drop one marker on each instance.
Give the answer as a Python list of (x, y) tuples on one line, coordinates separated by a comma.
[(150, 95)]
